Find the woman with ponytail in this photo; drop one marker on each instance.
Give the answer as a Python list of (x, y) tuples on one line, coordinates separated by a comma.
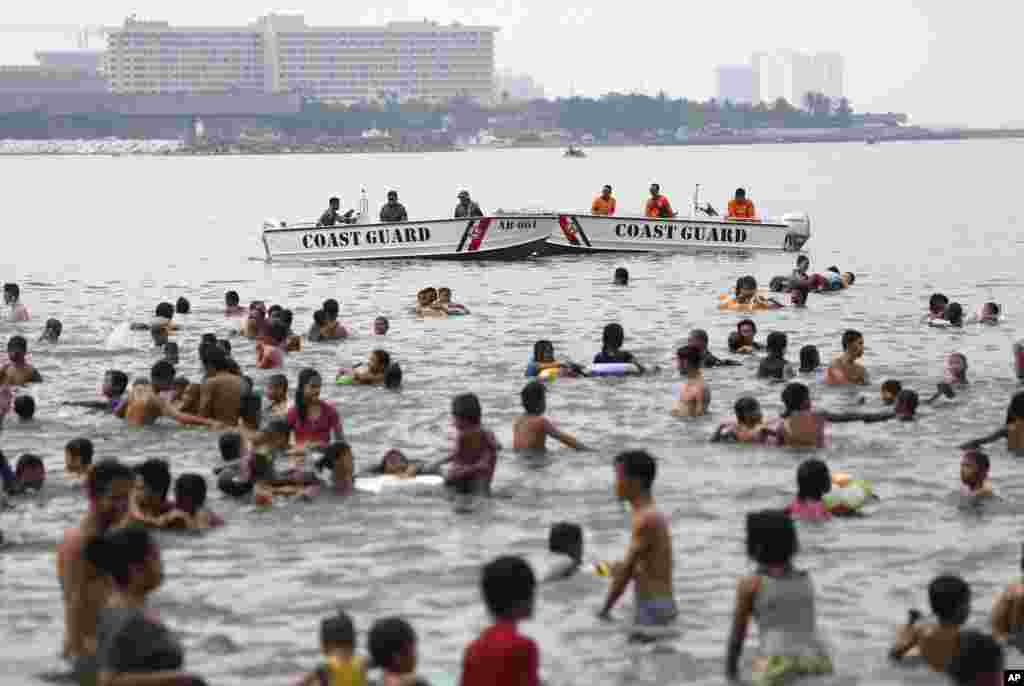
[(313, 420)]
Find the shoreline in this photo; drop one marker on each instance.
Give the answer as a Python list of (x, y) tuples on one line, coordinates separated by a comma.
[(118, 148)]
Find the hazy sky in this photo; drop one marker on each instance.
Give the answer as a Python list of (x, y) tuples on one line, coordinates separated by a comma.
[(939, 61)]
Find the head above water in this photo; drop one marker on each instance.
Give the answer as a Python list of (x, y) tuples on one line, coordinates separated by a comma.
[(162, 376), (566, 538), (156, 478), (165, 310), (466, 410), (906, 404), (655, 189), (741, 194), (25, 407), (338, 631), (748, 410), (954, 314), (635, 471), (798, 296), (813, 480), (890, 389), (509, 586), (182, 306), (115, 383), (30, 472), (190, 493), (974, 468), (307, 391), (956, 368), (853, 342), (130, 556), (937, 304), (52, 330), (334, 203), (1015, 411), (689, 359), (543, 351), (231, 299), (612, 338), (534, 397), (796, 397), (950, 598), (606, 191), (392, 645), (746, 328), (698, 338), (810, 358), (771, 538), (803, 263), (621, 277), (393, 376), (109, 485), (381, 325), (12, 293), (392, 196), (776, 343)]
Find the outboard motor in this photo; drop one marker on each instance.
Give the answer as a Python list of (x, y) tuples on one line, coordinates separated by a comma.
[(799, 230)]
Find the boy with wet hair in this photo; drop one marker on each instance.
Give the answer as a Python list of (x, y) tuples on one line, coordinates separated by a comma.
[(950, 598), (12, 298), (749, 426), (698, 338), (775, 366), (846, 369), (51, 331), (341, 665), (392, 644), (25, 407), (190, 511), (974, 469), (17, 371), (501, 656), (232, 308), (565, 546), (890, 389), (530, 431)]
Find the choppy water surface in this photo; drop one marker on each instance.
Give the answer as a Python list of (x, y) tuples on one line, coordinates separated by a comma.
[(100, 241)]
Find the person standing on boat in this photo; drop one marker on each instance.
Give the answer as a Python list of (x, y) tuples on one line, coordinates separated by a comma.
[(658, 206), (604, 204), (740, 208), (393, 211), (330, 217), (466, 207)]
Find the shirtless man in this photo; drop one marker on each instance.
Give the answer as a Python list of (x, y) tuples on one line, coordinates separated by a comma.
[(648, 560), (845, 368), (144, 405), (693, 395), (531, 430), (109, 488), (950, 598), (221, 395), (18, 372)]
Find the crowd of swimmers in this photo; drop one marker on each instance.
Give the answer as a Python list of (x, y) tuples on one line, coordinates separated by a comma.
[(270, 449)]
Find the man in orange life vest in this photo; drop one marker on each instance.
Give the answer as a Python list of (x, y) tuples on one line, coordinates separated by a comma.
[(740, 208), (604, 204), (658, 206)]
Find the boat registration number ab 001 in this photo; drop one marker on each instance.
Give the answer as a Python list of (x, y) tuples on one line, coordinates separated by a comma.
[(516, 224)]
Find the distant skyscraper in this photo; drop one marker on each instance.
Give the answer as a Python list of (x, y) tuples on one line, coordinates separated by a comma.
[(736, 84), (792, 75)]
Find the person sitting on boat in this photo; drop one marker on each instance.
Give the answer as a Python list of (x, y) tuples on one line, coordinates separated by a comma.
[(658, 206), (466, 207), (330, 217), (741, 208), (393, 211), (604, 204)]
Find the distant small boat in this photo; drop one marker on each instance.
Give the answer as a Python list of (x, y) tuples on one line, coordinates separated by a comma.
[(574, 152)]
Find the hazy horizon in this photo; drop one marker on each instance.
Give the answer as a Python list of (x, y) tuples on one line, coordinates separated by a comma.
[(934, 62)]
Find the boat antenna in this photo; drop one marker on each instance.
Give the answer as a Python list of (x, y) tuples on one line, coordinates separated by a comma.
[(696, 199)]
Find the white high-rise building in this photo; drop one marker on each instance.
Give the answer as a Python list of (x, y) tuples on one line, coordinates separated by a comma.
[(279, 53), (736, 84), (792, 75)]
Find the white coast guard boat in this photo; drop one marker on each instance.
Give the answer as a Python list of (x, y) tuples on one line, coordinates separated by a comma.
[(502, 237), (702, 230)]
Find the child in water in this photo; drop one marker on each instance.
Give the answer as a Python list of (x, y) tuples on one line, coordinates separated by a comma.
[(937, 306), (190, 511), (775, 366), (1013, 432), (611, 348), (475, 454), (692, 397), (846, 369), (956, 369), (395, 463), (444, 303), (544, 358), (277, 396), (339, 461), (392, 644), (231, 305), (78, 455), (741, 341), (12, 298), (51, 331), (813, 481), (801, 426), (425, 300), (270, 355), (810, 359), (889, 390), (380, 326), (373, 372), (17, 371), (341, 665), (565, 548), (950, 598), (530, 431), (780, 598), (974, 468), (749, 426)]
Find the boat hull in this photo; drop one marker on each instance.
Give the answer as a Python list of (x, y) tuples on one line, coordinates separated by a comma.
[(585, 233), (505, 237)]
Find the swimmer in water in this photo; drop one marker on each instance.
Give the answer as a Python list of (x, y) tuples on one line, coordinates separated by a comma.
[(950, 598), (741, 341), (954, 315), (693, 395), (565, 550), (813, 481), (444, 302), (341, 665), (1008, 613), (937, 306), (17, 371), (780, 598), (149, 501), (956, 369), (256, 323), (115, 384), (474, 457), (889, 390), (25, 407), (749, 426), (339, 461), (277, 396), (78, 455), (373, 373), (392, 646), (810, 359), (145, 405), (171, 352), (531, 430), (988, 314), (395, 463), (333, 330), (381, 326), (648, 562), (974, 472), (52, 331), (30, 474), (271, 355), (544, 358), (159, 335), (801, 426), (775, 366), (12, 298), (698, 338), (845, 368), (109, 487), (803, 265), (425, 304), (1013, 432), (190, 511), (621, 277), (798, 295), (232, 308), (611, 348), (316, 330), (182, 306)]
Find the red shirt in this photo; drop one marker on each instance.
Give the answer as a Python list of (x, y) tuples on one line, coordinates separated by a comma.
[(318, 430), (501, 657)]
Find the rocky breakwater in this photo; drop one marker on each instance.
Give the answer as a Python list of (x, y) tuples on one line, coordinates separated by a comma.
[(111, 147)]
